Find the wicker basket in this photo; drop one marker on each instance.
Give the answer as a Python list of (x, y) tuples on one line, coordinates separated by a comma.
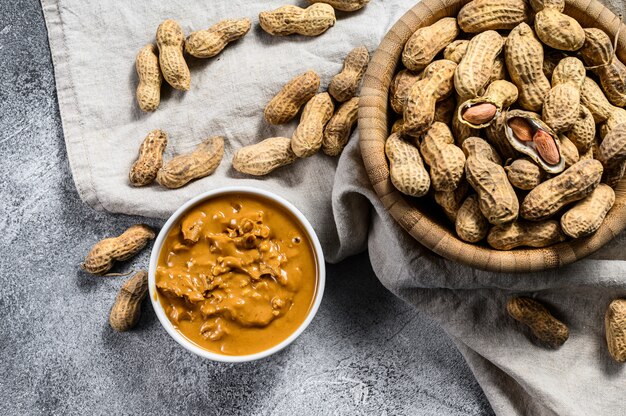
[(420, 217)]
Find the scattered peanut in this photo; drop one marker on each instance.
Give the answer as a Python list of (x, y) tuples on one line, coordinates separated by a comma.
[(427, 42), (524, 60), (561, 107), (475, 69), (525, 234), (556, 29), (338, 129), (195, 165), (208, 43), (103, 254), (264, 157), (572, 185), (497, 199), (344, 85), (309, 135), (615, 329), (419, 109), (569, 152), (586, 216), (597, 52), (170, 39), (150, 78), (612, 154), (451, 201), (480, 15), (126, 310), (583, 132), (471, 225), (446, 160), (542, 324), (456, 50), (288, 20), (406, 167), (150, 160), (524, 174), (297, 92), (402, 83), (344, 5)]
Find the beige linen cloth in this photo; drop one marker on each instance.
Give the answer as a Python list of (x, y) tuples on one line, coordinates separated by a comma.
[(94, 44)]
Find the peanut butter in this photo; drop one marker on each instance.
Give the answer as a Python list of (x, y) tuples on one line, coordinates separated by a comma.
[(237, 275)]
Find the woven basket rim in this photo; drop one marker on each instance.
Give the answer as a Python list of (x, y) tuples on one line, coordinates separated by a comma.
[(408, 212)]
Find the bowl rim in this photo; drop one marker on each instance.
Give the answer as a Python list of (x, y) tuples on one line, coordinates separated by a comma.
[(373, 125), (176, 216)]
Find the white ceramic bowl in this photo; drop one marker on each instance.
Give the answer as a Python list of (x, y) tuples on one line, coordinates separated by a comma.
[(154, 257)]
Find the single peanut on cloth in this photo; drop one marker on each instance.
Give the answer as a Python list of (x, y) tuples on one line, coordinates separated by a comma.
[(297, 92), (103, 254), (345, 84), (436, 84), (150, 159), (344, 5), (338, 129), (572, 185), (264, 157), (525, 234), (561, 107), (587, 215), (126, 310), (612, 155), (309, 135), (199, 163), (524, 60), (208, 43), (542, 324), (481, 15), (427, 42), (615, 329), (406, 167), (475, 69), (597, 52), (556, 29), (471, 225), (480, 112), (289, 20), (150, 78), (446, 160), (497, 199), (170, 39)]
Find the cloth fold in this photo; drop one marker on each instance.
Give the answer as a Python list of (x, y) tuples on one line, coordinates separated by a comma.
[(93, 47)]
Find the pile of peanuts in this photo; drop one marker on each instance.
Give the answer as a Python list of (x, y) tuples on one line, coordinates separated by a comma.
[(321, 127), (510, 117)]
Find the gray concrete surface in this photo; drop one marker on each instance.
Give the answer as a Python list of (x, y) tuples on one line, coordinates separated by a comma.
[(365, 353)]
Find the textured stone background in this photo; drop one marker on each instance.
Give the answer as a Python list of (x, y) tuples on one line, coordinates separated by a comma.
[(365, 353)]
